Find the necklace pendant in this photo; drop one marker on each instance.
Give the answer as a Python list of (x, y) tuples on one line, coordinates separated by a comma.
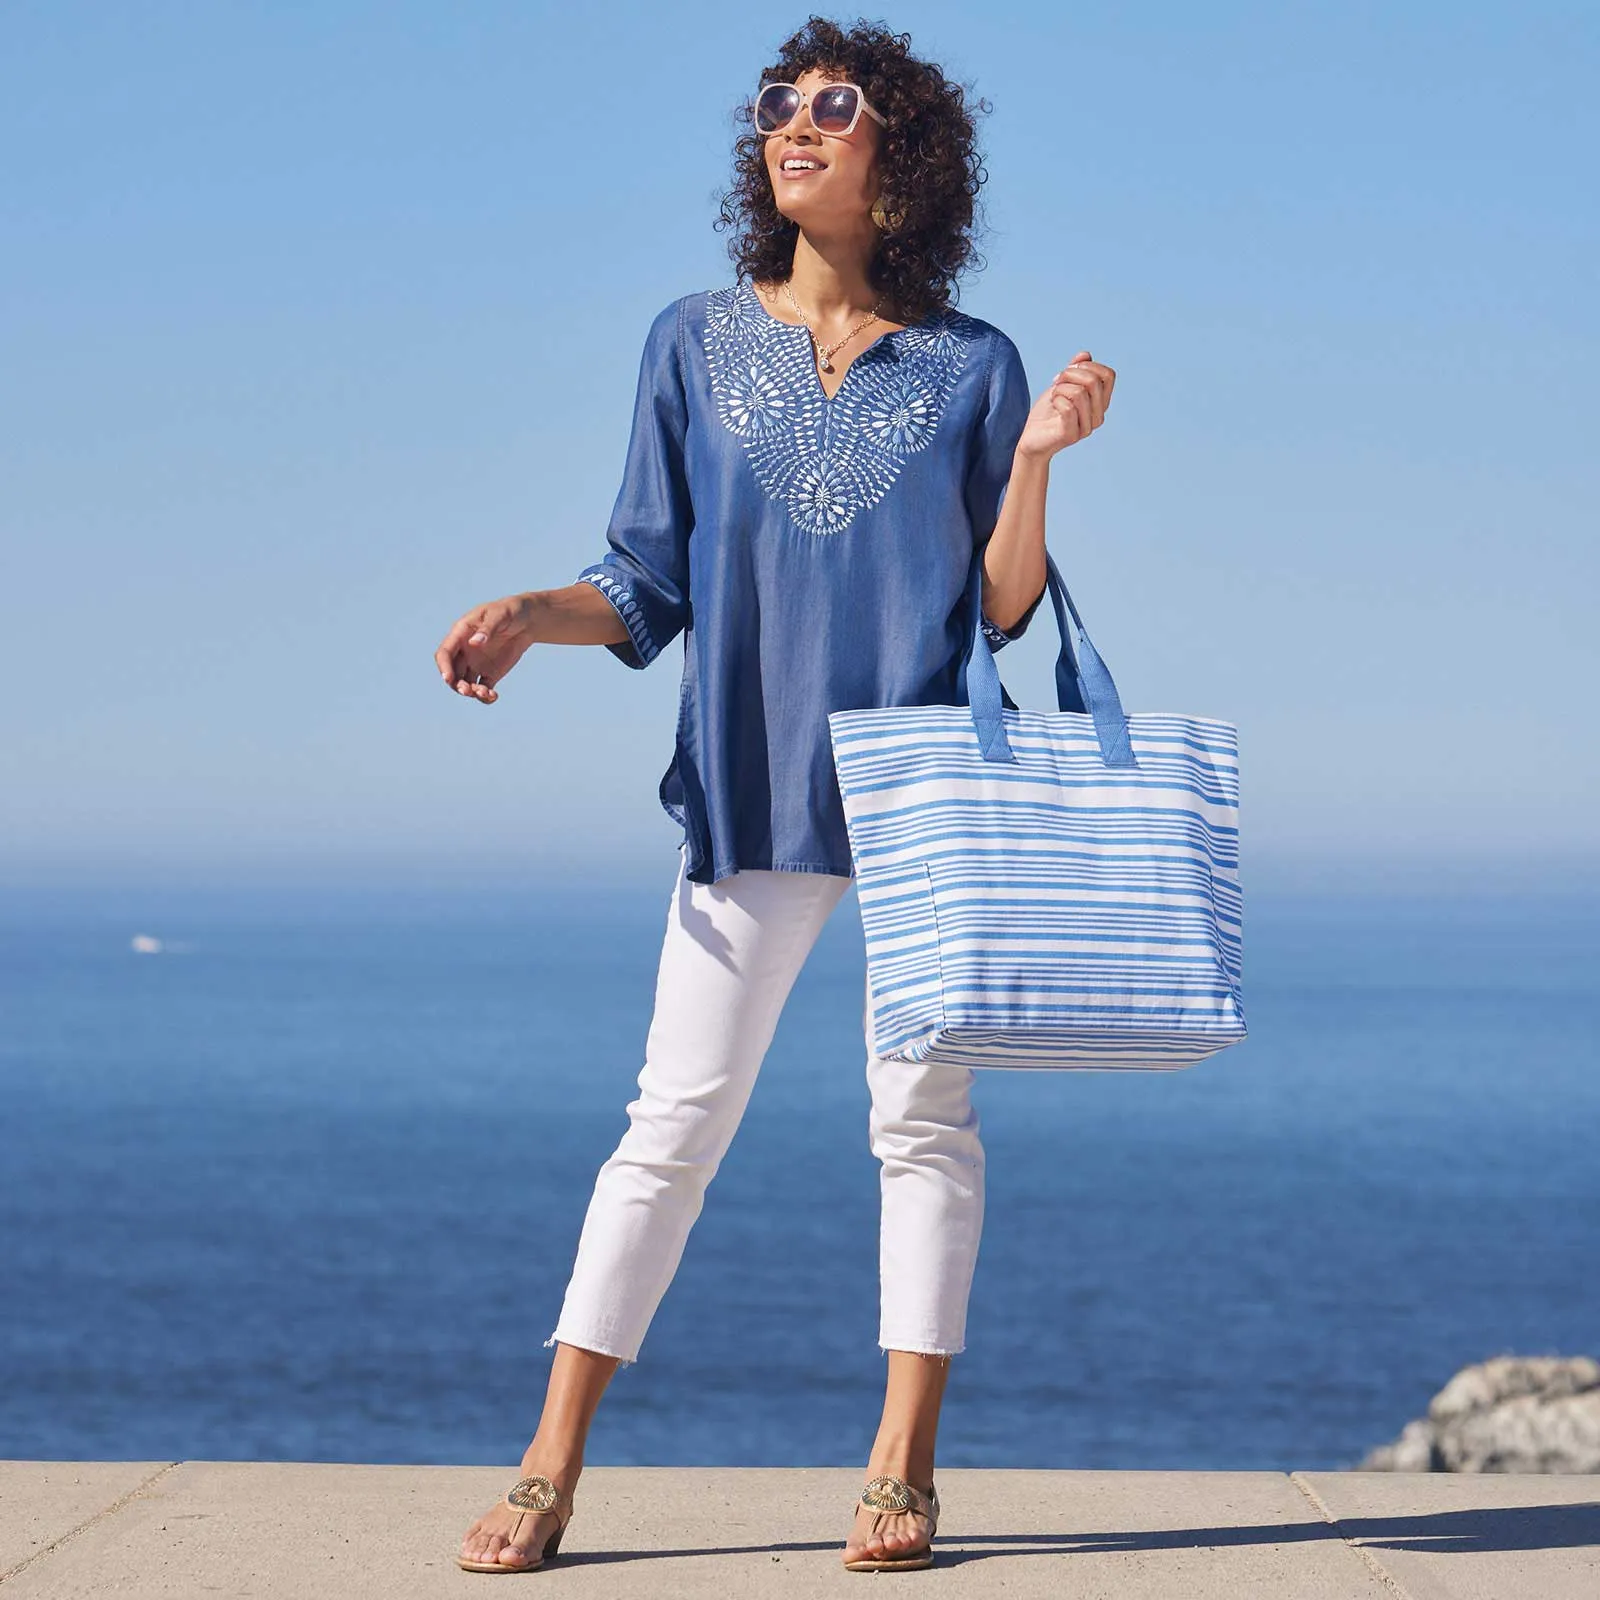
[(825, 364)]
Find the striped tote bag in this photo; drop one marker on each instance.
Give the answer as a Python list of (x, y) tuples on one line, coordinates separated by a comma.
[(1045, 890)]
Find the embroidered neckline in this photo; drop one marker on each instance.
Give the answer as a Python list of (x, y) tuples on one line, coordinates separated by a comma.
[(828, 457), (748, 287)]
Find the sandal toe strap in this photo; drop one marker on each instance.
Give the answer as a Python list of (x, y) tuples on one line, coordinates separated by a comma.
[(890, 1494)]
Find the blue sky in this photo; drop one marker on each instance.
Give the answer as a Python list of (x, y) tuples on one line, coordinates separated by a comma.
[(320, 324)]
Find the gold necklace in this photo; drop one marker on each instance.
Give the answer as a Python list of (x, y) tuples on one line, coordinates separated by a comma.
[(824, 352)]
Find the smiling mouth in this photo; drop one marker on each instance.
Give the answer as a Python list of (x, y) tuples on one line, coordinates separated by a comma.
[(799, 166)]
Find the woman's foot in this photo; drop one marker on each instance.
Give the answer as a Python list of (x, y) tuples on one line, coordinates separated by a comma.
[(488, 1539), (897, 1534)]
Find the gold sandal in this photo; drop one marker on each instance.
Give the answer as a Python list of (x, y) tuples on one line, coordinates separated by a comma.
[(530, 1496), (886, 1495)]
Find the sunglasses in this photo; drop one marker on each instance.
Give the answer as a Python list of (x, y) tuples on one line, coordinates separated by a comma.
[(835, 108)]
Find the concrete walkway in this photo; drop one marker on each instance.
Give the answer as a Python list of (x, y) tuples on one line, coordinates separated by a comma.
[(77, 1530)]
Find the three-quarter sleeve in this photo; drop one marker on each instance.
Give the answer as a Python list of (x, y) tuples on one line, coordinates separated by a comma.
[(999, 425), (645, 573)]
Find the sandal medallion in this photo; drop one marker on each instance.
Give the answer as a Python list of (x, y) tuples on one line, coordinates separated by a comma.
[(534, 1493), (886, 1494)]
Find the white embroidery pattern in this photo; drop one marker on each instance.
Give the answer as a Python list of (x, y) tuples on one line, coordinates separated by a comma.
[(828, 459), (628, 608)]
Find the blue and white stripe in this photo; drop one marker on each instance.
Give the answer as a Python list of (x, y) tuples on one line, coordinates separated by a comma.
[(1049, 911)]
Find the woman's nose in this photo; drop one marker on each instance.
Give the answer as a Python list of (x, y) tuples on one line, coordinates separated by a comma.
[(801, 122)]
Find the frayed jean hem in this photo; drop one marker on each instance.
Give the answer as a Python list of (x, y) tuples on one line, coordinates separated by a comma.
[(593, 1346)]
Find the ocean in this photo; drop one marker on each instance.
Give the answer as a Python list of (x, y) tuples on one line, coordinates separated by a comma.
[(305, 1185)]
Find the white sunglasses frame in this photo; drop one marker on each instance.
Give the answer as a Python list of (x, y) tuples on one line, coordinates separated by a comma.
[(805, 105)]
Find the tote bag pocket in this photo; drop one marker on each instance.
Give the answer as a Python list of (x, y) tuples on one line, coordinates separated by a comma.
[(1047, 890)]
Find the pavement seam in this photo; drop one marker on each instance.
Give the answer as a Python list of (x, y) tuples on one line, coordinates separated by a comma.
[(1379, 1571), (99, 1516)]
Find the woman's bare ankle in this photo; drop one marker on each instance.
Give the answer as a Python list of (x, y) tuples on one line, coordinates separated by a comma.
[(915, 1469), (561, 1463)]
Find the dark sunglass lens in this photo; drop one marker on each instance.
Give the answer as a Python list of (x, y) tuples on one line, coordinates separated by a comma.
[(832, 108), (775, 106)]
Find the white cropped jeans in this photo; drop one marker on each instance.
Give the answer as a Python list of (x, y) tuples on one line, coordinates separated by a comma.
[(730, 957)]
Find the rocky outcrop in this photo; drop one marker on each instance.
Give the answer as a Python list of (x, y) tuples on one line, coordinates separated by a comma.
[(1508, 1414)]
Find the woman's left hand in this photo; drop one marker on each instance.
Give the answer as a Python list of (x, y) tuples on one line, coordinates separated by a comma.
[(1070, 409)]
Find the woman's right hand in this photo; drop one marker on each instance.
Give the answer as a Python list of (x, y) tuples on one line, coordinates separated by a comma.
[(485, 645)]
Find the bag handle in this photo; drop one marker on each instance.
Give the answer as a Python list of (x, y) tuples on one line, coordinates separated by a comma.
[(1084, 688)]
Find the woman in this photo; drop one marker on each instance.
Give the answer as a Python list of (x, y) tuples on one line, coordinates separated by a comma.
[(819, 451)]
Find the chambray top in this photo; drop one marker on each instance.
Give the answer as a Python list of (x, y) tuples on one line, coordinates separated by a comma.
[(814, 552)]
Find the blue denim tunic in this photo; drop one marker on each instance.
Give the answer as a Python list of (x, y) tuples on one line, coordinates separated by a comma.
[(813, 551)]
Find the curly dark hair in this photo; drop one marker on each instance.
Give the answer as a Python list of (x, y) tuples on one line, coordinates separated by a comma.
[(931, 167)]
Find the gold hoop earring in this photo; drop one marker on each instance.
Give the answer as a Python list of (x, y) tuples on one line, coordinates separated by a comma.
[(883, 218)]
